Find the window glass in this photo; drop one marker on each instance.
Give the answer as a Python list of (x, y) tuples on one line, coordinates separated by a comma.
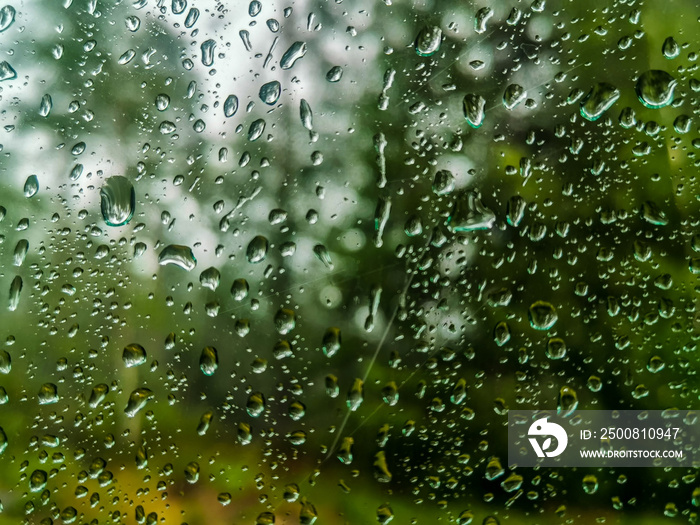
[(289, 261)]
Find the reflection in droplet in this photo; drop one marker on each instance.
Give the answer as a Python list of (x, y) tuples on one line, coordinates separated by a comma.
[(257, 249), (296, 51), (270, 92), (31, 186), (118, 201), (598, 100), (655, 88), (474, 107), (428, 41), (178, 255)]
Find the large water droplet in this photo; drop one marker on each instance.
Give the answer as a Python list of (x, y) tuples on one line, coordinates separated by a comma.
[(7, 72), (7, 16), (670, 48), (15, 290), (231, 105), (469, 214), (256, 129), (48, 394), (296, 51), (474, 107), (118, 201), (178, 6), (133, 355), (31, 186), (137, 400), (542, 315), (481, 18), (598, 100), (270, 92), (208, 47), (45, 105), (513, 95), (209, 360), (257, 249), (655, 88), (178, 255)]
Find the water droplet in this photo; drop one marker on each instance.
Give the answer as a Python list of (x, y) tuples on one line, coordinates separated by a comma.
[(428, 41), (590, 484), (598, 100), (31, 186), (162, 102), (355, 394), (15, 290), (7, 16), (380, 468), (474, 107), (178, 6), (98, 394), (307, 514), (209, 360), (210, 278), (513, 95), (653, 214), (481, 18), (296, 51), (45, 105), (231, 105), (256, 129), (137, 400), (321, 252), (257, 249), (132, 23), (334, 74), (556, 348), (285, 321), (331, 341), (444, 182), (38, 480), (133, 355), (7, 72), (270, 92), (208, 47), (254, 8), (192, 17), (265, 518), (192, 472), (178, 255), (118, 201), (166, 127), (542, 315), (670, 48), (567, 401), (470, 214), (48, 394), (655, 88), (256, 404)]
